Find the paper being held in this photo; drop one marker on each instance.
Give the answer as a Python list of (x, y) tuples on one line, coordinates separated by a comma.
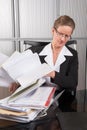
[(27, 68)]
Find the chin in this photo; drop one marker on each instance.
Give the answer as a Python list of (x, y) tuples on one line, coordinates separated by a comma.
[(59, 46)]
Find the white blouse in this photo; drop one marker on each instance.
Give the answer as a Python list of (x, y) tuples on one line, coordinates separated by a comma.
[(60, 59)]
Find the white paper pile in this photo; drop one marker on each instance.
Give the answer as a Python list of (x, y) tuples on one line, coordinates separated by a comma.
[(30, 98)]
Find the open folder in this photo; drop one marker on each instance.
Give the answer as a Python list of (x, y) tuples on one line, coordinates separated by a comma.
[(39, 98)]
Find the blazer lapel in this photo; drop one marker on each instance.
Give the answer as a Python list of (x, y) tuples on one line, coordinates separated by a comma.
[(62, 57), (46, 53)]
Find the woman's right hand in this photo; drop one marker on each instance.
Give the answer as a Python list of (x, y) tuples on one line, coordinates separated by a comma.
[(13, 87)]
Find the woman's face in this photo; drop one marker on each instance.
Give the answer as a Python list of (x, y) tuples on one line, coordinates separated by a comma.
[(61, 35)]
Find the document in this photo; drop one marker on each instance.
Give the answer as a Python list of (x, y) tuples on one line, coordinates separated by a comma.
[(39, 98)]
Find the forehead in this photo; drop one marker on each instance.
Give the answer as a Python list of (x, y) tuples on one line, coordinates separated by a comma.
[(65, 29)]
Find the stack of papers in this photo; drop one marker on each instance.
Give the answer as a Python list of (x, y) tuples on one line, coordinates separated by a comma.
[(19, 116), (31, 97), (26, 107)]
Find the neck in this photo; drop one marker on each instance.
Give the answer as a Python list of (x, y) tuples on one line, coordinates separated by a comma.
[(56, 49)]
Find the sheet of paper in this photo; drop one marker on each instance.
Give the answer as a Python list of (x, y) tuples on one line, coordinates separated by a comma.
[(5, 79), (24, 65), (12, 59), (4, 105), (4, 82), (26, 68), (15, 58), (3, 58), (35, 74)]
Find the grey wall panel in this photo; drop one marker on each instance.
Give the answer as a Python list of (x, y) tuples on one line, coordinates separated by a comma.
[(5, 19), (36, 18), (77, 9), (81, 48)]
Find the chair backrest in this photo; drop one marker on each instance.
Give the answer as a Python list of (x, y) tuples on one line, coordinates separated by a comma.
[(72, 44), (34, 43)]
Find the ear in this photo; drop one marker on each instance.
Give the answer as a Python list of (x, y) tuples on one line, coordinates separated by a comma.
[(52, 31)]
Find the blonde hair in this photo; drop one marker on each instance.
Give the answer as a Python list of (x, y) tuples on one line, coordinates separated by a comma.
[(64, 21)]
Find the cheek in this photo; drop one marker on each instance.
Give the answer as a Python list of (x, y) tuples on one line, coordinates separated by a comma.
[(56, 38), (58, 42)]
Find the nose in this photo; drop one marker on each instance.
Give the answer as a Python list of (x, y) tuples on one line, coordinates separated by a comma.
[(63, 38)]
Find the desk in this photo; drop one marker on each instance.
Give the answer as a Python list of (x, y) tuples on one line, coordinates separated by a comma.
[(73, 120), (76, 120), (50, 121)]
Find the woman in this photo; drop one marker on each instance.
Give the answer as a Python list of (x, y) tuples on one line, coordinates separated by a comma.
[(63, 59), (59, 56)]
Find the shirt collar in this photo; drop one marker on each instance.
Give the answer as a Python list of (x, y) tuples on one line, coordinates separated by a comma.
[(47, 50)]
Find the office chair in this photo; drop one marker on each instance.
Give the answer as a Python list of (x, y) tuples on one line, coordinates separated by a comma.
[(28, 44)]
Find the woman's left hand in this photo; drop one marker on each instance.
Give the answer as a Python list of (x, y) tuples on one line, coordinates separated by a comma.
[(51, 74)]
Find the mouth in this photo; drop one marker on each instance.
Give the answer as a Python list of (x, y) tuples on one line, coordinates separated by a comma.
[(61, 43)]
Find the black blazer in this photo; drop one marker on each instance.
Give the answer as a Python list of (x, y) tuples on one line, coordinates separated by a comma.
[(67, 78)]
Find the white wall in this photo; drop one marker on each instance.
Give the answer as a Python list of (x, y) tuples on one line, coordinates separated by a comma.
[(5, 19), (6, 47), (36, 18)]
